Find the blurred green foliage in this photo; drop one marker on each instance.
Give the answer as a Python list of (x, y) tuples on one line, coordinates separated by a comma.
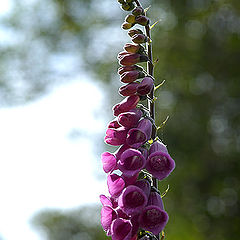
[(197, 43)]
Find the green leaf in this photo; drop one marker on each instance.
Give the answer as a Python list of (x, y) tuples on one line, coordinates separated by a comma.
[(159, 85)]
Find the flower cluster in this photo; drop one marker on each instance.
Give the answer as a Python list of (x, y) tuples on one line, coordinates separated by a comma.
[(134, 204)]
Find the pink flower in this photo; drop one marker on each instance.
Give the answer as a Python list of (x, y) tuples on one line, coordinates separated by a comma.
[(131, 59), (121, 229), (145, 87), (109, 162), (116, 136), (129, 119), (107, 217), (115, 184), (129, 89), (131, 76)]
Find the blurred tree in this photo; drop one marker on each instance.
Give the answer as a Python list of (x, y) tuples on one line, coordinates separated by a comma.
[(197, 43)]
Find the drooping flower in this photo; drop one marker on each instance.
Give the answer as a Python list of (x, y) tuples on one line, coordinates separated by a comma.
[(136, 137), (109, 162), (153, 219), (116, 136), (131, 162), (159, 162), (145, 87), (121, 229), (115, 184), (125, 105), (129, 89), (129, 119), (132, 200), (132, 58), (107, 217)]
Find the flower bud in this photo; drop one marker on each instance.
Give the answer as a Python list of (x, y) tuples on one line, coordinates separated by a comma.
[(137, 11), (130, 18), (127, 6), (145, 86), (121, 70), (139, 38), (125, 105), (127, 25), (131, 76), (133, 48), (130, 119), (122, 54), (129, 1), (129, 89), (142, 20), (121, 1), (131, 59), (132, 32)]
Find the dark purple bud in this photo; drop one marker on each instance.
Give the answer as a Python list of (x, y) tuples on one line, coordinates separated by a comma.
[(122, 54), (125, 105), (132, 200), (109, 162), (136, 137), (137, 11), (115, 184), (121, 1), (121, 229), (129, 89), (114, 124), (127, 25), (123, 69), (145, 87), (116, 136), (131, 162), (130, 119), (160, 164), (132, 58), (132, 32), (139, 38), (142, 20), (158, 147), (130, 19), (128, 6), (107, 217), (153, 219), (131, 76), (144, 185), (133, 48), (155, 199)]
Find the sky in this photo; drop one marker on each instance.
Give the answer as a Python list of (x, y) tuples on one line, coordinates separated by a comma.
[(41, 166)]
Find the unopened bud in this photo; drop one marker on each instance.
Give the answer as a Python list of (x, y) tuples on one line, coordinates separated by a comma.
[(132, 32), (133, 48), (129, 1), (128, 6), (128, 89), (142, 20), (121, 1), (145, 87), (137, 11), (121, 70), (127, 25), (132, 59), (122, 54), (139, 38), (131, 76), (130, 18)]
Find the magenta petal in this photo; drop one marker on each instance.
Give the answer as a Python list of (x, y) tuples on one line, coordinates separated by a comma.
[(135, 224), (105, 200), (120, 150), (107, 216), (132, 200), (115, 184), (129, 180), (114, 124), (125, 105), (155, 199), (160, 165), (130, 119), (116, 136), (136, 137), (153, 219), (109, 162), (158, 147), (121, 229), (145, 87), (131, 162)]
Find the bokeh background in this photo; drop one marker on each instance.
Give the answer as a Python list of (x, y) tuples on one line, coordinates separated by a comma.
[(58, 82)]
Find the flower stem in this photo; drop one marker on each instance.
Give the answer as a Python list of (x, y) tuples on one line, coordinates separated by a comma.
[(151, 105)]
